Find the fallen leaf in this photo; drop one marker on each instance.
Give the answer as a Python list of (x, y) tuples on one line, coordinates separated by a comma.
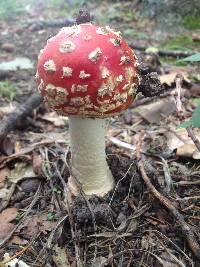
[(60, 257), (18, 241), (35, 224), (54, 118), (22, 170), (195, 90), (156, 111), (6, 217), (8, 214), (183, 144), (6, 228), (170, 78), (189, 151), (7, 262), (7, 146), (37, 163), (7, 109)]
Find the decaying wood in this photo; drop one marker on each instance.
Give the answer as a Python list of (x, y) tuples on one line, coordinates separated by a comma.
[(16, 118), (186, 229), (39, 25)]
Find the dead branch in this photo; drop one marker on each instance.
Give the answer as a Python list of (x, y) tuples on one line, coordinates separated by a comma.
[(162, 52), (16, 118), (186, 229), (193, 137), (39, 25)]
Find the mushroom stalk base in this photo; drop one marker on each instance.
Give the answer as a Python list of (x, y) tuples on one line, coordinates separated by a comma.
[(89, 166)]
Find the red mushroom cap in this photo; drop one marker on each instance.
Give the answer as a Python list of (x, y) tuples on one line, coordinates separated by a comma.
[(87, 71)]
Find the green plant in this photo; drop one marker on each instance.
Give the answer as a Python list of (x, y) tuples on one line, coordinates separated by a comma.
[(134, 32), (193, 58), (191, 22), (50, 216), (195, 119), (8, 8), (180, 43), (56, 190), (8, 90)]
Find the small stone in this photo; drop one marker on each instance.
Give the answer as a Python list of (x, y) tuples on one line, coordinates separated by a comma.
[(8, 47)]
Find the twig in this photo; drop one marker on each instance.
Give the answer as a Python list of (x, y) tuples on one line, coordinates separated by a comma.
[(186, 229), (167, 175), (193, 137), (122, 144), (16, 118), (39, 25), (196, 182), (179, 80)]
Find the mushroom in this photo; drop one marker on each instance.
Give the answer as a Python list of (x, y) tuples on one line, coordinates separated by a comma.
[(88, 73)]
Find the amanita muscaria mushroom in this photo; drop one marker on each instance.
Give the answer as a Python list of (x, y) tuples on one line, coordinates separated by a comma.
[(88, 73)]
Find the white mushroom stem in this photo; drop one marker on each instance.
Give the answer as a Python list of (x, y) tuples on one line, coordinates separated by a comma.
[(89, 166)]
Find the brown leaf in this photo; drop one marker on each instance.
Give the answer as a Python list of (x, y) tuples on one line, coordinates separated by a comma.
[(35, 224), (54, 118), (5, 218), (170, 78), (18, 241), (156, 111), (5, 229), (7, 146), (8, 215), (7, 109), (37, 163)]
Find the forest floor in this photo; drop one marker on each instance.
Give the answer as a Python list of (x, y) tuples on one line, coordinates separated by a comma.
[(152, 217)]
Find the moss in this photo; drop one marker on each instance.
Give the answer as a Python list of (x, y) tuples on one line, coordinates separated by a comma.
[(10, 8), (182, 42), (191, 22)]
